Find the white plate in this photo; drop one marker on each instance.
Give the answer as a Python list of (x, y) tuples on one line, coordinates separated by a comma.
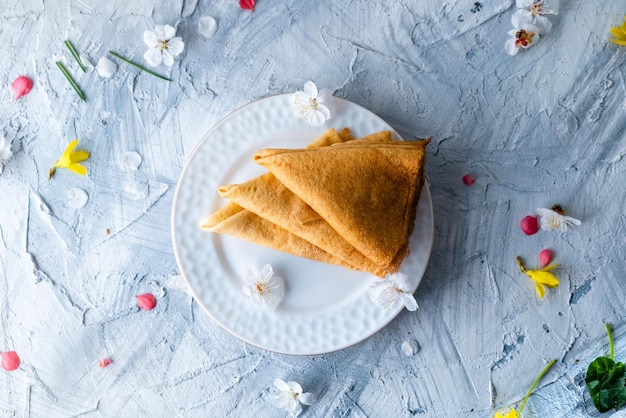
[(326, 308)]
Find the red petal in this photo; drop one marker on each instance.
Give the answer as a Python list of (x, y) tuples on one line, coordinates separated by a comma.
[(247, 4), (146, 301), (10, 360), (530, 225), (21, 86), (468, 180), (104, 362), (545, 257)]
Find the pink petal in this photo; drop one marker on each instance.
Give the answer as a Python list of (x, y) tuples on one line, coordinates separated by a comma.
[(247, 4), (10, 360), (468, 180), (146, 301), (545, 257), (21, 86), (530, 225), (104, 362)]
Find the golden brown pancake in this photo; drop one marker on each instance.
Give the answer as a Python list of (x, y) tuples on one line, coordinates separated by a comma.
[(367, 192)]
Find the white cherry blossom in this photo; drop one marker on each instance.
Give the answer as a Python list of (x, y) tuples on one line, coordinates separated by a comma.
[(262, 288), (551, 219), (291, 397), (163, 45), (308, 104), (533, 12), (393, 290)]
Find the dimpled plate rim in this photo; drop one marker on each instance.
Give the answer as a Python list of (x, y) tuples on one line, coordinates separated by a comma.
[(213, 282)]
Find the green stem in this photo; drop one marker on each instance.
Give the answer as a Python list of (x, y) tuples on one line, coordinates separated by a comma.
[(519, 263), (71, 80), (142, 68), (611, 345), (69, 46), (530, 391)]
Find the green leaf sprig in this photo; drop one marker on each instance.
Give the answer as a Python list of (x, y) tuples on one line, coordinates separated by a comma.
[(71, 81), (141, 67), (606, 380), (69, 46)]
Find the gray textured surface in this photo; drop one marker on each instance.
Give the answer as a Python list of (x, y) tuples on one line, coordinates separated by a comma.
[(543, 127)]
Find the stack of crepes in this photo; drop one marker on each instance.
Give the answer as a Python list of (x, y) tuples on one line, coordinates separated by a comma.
[(341, 200)]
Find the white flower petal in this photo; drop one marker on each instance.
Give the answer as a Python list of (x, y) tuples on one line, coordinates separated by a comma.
[(247, 289), (175, 46), (150, 39), (543, 24), (409, 302), (5, 149), (388, 298), (521, 17), (281, 385), (153, 57), (167, 58), (282, 400), (168, 32), (159, 32), (295, 409), (105, 67), (400, 280), (572, 220), (317, 117), (310, 89), (324, 95), (266, 272), (307, 398), (250, 274)]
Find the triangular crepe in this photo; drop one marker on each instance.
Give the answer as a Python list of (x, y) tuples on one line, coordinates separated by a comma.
[(234, 220), (238, 222), (367, 192), (270, 199)]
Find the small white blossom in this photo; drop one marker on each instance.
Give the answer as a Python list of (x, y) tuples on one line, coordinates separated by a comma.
[(262, 288), (393, 290), (163, 46), (523, 36), (550, 220), (5, 151), (308, 104), (533, 12), (291, 396)]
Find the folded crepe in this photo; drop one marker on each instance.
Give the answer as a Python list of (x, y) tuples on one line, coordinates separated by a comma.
[(270, 199), (238, 222), (232, 219), (367, 192)]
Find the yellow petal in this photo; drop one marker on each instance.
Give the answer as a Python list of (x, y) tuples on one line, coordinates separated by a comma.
[(618, 33), (66, 158), (77, 168), (541, 291), (543, 277), (79, 156), (70, 147), (618, 42), (548, 268)]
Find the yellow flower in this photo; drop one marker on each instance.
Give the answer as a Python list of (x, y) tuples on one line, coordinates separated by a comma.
[(511, 414), (620, 34), (70, 160), (541, 277)]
